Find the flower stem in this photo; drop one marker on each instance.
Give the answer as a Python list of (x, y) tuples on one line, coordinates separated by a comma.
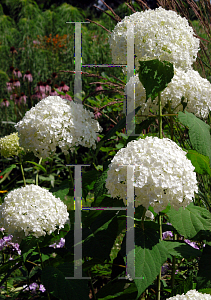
[(38, 171), (173, 268), (159, 217), (159, 276), (171, 121), (38, 247), (92, 287), (24, 181), (69, 168), (160, 116)]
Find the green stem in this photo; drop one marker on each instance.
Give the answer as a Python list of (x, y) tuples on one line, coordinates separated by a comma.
[(173, 268), (4, 261), (160, 116), (159, 217), (24, 181), (37, 172), (38, 247), (159, 276), (70, 172), (92, 287), (171, 121)]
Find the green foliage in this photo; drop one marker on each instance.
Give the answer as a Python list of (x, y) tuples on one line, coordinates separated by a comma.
[(53, 278), (190, 221), (150, 254), (199, 161), (204, 276), (199, 133), (159, 74)]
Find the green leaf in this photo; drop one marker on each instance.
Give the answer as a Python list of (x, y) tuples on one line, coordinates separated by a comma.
[(62, 190), (7, 265), (205, 291), (88, 180), (185, 286), (199, 161), (38, 166), (199, 133), (118, 127), (8, 169), (155, 76), (181, 249), (116, 290), (99, 187), (53, 278), (204, 276), (150, 255), (190, 221), (103, 228), (7, 172)]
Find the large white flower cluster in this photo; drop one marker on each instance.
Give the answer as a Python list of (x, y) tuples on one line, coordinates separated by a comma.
[(56, 122), (191, 295), (195, 90), (158, 34), (162, 174), (9, 145), (34, 210)]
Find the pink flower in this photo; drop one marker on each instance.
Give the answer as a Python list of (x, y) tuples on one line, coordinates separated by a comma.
[(10, 85), (98, 138), (5, 103), (97, 113), (13, 96), (67, 97), (39, 95), (40, 87), (17, 73), (63, 87), (98, 87), (53, 93), (47, 88), (36, 42), (17, 83), (23, 98), (28, 75)]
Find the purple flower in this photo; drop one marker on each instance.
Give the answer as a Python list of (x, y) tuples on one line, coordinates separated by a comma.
[(164, 269), (167, 234), (59, 245), (192, 244), (42, 288), (33, 287)]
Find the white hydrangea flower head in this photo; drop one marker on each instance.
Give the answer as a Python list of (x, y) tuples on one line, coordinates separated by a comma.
[(195, 89), (158, 34), (34, 210), (56, 122), (191, 295), (9, 145), (162, 174), (149, 215)]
